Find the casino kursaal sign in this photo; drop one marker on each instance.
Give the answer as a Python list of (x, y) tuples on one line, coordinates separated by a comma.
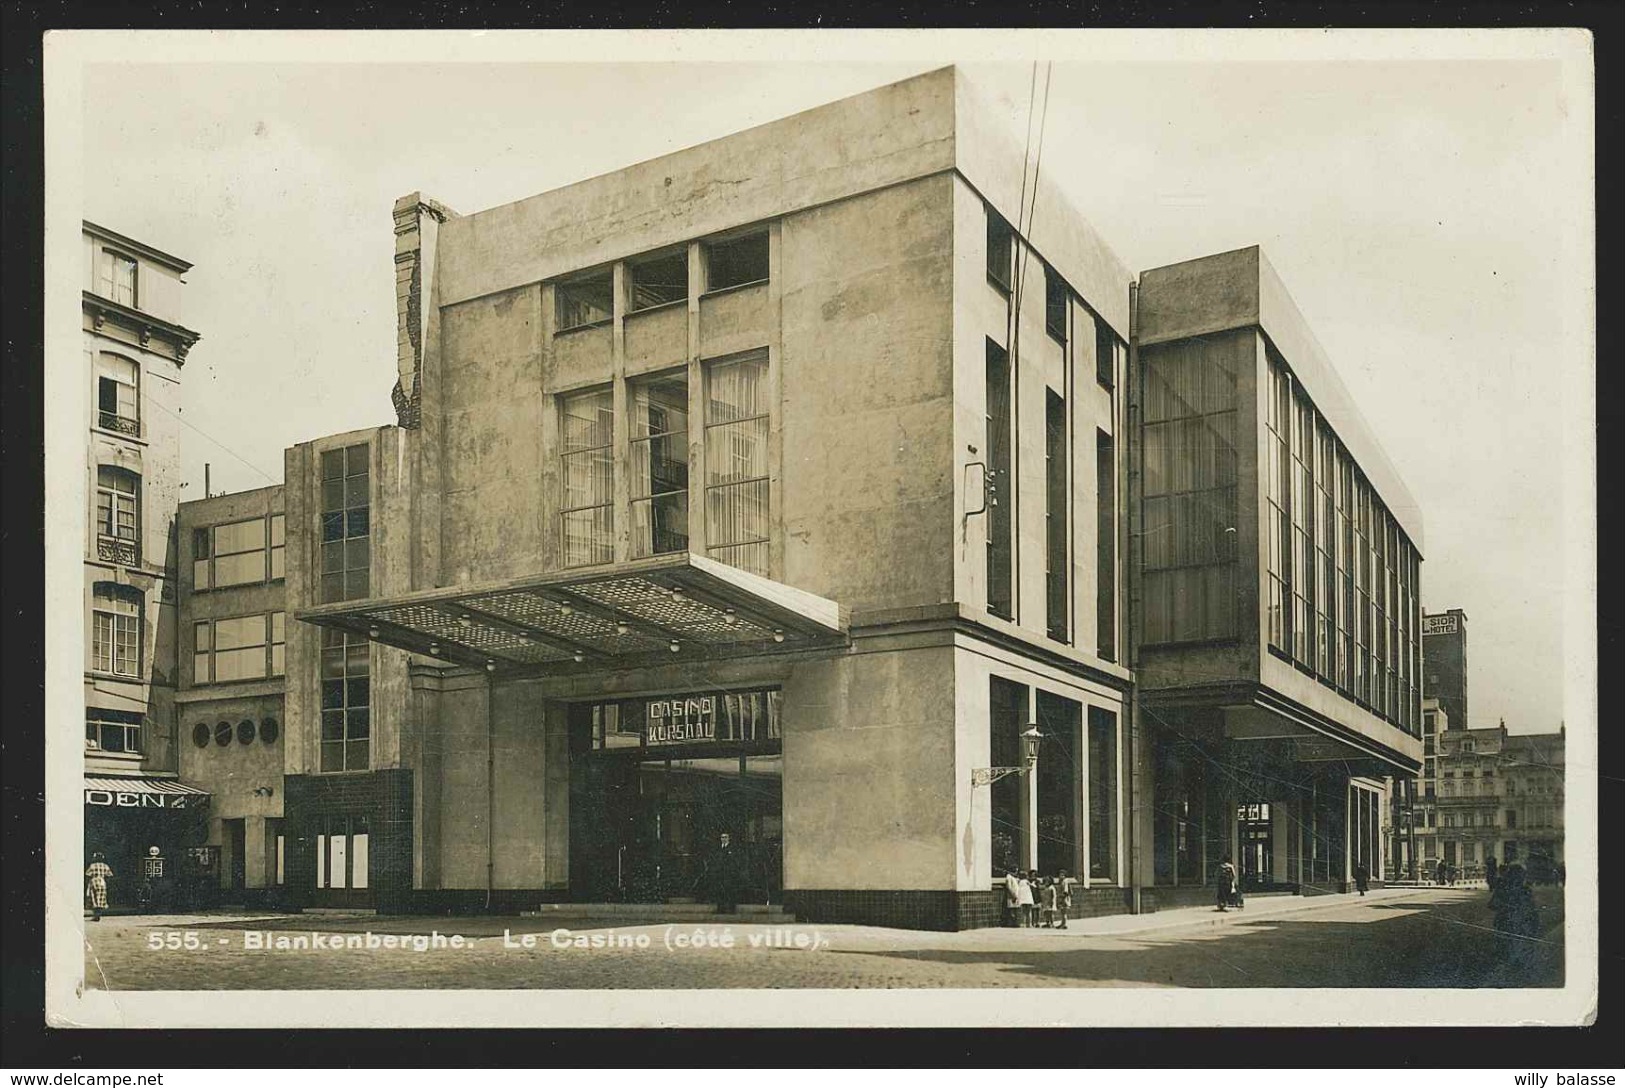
[(706, 718), (121, 799)]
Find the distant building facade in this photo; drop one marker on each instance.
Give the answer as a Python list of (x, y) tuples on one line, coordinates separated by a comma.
[(1497, 795), (134, 349), (1444, 663)]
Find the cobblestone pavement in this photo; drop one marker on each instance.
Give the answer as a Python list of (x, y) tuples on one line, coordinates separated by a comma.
[(1424, 938)]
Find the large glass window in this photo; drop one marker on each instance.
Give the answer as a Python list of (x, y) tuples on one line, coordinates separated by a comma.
[(238, 553), (659, 465), (1001, 485), (589, 300), (346, 702), (656, 281), (1105, 355), (238, 648), (1325, 531), (1059, 779), (1057, 517), (736, 261), (116, 277), (1102, 794), (118, 394), (116, 629), (1056, 294), (346, 524), (1189, 531), (1278, 546), (588, 511), (1000, 249), (1303, 550), (1007, 717), (1105, 545), (736, 448)]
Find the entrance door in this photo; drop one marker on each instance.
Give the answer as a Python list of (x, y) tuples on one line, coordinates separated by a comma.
[(236, 842), (1257, 844), (343, 862)]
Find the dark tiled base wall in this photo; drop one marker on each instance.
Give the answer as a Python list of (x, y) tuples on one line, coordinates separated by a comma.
[(934, 910), (475, 900)]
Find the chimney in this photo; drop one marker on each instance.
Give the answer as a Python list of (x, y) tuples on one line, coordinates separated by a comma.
[(417, 223)]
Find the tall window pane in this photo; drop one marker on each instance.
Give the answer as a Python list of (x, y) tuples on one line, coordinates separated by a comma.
[(1102, 794), (1001, 484), (346, 524), (346, 702), (1057, 518), (1189, 510), (118, 396), (116, 278), (659, 465), (588, 475), (116, 629), (736, 438), (1106, 545)]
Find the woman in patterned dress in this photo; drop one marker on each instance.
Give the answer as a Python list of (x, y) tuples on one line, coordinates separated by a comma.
[(96, 877)]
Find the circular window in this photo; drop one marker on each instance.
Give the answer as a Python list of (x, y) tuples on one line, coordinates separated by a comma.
[(268, 730), (245, 732), (200, 734), (222, 733)]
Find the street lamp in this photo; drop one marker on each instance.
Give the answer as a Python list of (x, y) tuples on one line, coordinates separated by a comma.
[(1030, 739)]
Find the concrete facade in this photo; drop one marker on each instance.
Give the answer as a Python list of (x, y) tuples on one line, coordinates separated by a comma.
[(943, 510)]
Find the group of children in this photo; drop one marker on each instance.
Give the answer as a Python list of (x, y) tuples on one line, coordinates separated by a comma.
[(1033, 901)]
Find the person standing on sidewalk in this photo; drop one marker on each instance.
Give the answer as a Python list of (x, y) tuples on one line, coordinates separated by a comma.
[(1012, 898), (1024, 899), (97, 874), (1063, 897), (1362, 877), (1226, 880), (1051, 902)]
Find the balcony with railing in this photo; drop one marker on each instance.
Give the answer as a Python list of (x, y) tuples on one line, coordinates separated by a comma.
[(112, 421), (111, 549)]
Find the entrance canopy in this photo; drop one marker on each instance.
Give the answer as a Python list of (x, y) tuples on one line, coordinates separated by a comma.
[(1313, 740), (662, 610)]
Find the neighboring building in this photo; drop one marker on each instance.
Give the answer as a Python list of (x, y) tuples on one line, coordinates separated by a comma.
[(233, 623), (134, 350), (1415, 819), (768, 492), (1501, 796), (1278, 583), (1444, 663)]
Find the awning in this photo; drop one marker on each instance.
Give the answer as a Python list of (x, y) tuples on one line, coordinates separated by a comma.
[(646, 612), (142, 792), (1312, 739)]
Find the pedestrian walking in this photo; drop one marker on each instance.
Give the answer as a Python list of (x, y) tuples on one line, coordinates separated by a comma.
[(1489, 871), (1226, 880), (1362, 876), (1063, 897), (1024, 900), (725, 875), (1012, 898), (97, 874)]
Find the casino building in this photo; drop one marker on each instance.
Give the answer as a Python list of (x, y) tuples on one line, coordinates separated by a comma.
[(760, 516)]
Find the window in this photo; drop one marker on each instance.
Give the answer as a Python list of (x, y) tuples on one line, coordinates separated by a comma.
[(1056, 294), (736, 262), (116, 277), (588, 476), (278, 546), (659, 465), (1325, 635), (1000, 250), (113, 731), (1058, 777), (657, 281), (237, 553), (346, 702), (736, 484), (589, 300), (1001, 488), (1106, 545), (1007, 712), (1105, 355), (116, 629), (1057, 518), (1189, 530), (346, 523), (1102, 794), (118, 394), (118, 515), (240, 648)]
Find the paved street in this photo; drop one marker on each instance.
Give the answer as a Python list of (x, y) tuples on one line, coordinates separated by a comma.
[(1396, 938)]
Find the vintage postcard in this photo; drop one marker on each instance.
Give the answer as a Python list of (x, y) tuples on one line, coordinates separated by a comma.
[(883, 528)]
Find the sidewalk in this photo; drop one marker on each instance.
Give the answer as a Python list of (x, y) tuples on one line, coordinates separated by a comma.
[(1114, 925)]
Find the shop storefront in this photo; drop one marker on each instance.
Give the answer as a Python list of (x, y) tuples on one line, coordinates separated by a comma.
[(126, 817)]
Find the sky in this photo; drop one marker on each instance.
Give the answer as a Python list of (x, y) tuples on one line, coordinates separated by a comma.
[(1422, 213)]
